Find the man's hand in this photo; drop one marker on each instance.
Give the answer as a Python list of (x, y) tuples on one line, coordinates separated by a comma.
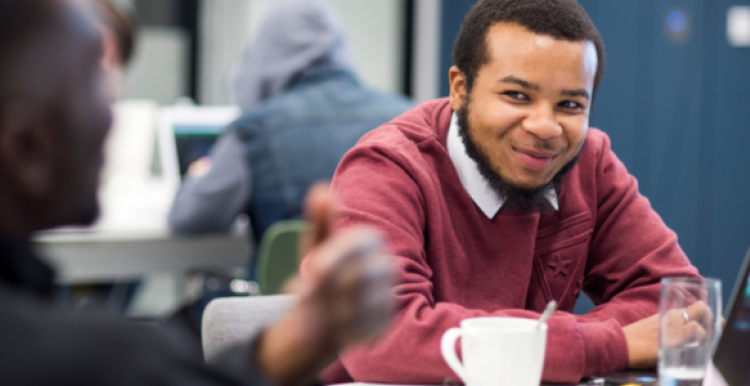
[(345, 297), (199, 167), (642, 336)]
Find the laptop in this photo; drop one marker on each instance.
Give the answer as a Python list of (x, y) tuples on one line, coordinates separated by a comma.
[(731, 359), (730, 363), (187, 133)]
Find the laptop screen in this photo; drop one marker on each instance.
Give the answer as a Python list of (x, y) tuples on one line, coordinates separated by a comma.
[(193, 142), (732, 355), (187, 133), (741, 321)]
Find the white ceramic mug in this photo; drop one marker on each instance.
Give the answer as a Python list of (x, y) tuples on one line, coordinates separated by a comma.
[(497, 351)]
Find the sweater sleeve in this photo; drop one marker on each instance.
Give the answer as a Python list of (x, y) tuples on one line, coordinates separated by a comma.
[(631, 250), (377, 188)]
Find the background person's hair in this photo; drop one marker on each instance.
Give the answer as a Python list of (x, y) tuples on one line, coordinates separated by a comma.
[(121, 25), (560, 19)]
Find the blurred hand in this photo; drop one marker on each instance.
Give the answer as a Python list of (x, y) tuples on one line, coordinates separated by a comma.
[(344, 298), (642, 337), (199, 168), (347, 290)]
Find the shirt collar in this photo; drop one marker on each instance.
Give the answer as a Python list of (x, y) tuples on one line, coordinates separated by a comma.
[(473, 181)]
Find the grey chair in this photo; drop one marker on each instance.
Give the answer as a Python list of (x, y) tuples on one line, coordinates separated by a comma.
[(229, 321)]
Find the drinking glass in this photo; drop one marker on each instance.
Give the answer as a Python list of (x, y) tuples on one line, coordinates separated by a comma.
[(689, 327)]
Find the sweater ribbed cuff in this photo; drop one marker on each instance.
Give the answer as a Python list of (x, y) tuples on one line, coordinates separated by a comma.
[(604, 346)]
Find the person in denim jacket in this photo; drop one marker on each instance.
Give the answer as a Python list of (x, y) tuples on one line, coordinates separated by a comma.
[(303, 108)]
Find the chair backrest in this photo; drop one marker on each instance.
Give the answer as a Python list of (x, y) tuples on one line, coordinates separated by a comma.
[(278, 256), (231, 321)]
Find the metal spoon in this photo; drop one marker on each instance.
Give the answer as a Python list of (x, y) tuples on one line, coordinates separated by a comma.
[(547, 313)]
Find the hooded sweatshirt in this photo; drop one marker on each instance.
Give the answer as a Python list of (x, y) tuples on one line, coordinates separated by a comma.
[(303, 108), (453, 262)]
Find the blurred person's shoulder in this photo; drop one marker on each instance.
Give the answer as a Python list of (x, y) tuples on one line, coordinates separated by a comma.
[(30, 325), (84, 348), (339, 99)]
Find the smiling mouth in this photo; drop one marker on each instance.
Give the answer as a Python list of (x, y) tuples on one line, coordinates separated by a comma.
[(533, 159)]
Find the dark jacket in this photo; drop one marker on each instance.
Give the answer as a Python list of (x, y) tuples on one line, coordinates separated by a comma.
[(43, 344)]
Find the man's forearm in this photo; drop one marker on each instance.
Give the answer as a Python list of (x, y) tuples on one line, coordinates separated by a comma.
[(409, 352)]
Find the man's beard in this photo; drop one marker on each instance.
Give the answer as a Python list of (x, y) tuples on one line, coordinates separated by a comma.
[(515, 197)]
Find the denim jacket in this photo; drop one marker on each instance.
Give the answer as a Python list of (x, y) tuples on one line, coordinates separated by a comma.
[(300, 137), (268, 158)]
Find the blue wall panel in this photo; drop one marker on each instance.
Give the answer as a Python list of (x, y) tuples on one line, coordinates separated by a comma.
[(453, 14), (730, 221)]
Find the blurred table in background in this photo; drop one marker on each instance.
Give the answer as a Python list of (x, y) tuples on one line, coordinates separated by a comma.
[(131, 239), (106, 256)]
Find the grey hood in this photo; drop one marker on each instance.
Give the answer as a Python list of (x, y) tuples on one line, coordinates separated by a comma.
[(297, 38)]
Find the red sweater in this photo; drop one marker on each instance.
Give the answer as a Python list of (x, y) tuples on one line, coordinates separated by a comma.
[(455, 263)]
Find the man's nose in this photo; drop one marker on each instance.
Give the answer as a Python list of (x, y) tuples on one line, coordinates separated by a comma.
[(542, 123)]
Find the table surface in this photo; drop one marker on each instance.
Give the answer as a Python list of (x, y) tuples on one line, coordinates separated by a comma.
[(595, 380), (132, 239), (112, 256)]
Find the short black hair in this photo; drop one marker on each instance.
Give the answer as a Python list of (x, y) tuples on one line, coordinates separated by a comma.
[(560, 19)]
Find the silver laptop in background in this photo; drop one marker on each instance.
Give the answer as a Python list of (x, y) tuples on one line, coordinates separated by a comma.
[(187, 133)]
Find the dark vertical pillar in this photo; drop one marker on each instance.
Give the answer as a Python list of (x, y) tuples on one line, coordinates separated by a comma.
[(452, 14), (190, 22), (408, 49)]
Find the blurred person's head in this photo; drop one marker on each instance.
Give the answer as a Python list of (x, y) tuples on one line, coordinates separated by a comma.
[(523, 81), (53, 115), (118, 40), (297, 38)]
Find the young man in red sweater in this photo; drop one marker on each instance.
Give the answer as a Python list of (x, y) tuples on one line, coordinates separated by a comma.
[(500, 199)]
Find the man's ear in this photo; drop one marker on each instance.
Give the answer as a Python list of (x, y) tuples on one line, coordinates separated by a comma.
[(28, 150), (457, 81)]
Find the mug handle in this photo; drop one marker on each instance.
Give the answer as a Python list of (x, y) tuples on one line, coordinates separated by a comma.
[(448, 348)]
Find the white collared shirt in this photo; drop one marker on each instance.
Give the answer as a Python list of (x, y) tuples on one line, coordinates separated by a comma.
[(473, 181)]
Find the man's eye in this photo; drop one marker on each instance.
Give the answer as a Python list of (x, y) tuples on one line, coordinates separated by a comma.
[(571, 105), (517, 95)]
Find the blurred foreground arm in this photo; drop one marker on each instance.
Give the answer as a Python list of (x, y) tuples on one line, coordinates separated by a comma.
[(345, 298)]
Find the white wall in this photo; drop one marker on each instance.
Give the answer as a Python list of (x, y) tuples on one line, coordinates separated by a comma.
[(426, 75), (225, 28), (158, 70), (374, 30), (159, 67)]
